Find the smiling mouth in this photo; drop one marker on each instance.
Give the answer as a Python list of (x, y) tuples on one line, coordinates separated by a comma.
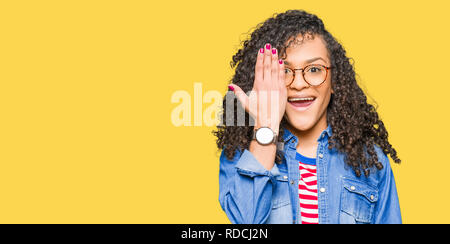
[(301, 102)]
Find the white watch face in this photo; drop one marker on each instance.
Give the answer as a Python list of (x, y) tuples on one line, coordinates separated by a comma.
[(264, 135)]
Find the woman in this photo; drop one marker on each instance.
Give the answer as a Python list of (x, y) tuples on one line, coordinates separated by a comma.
[(318, 154)]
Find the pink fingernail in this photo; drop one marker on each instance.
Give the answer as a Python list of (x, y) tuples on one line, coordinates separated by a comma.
[(261, 50), (280, 61), (274, 50), (268, 46), (231, 88)]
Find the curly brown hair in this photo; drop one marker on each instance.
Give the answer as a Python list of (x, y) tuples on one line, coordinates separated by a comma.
[(355, 123)]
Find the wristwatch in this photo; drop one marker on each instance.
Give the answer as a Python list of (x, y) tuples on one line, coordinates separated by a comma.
[(264, 136)]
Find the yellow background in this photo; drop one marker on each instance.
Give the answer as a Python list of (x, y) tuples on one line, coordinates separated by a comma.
[(85, 89)]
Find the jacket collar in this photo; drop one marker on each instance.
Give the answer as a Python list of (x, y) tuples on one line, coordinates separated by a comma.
[(288, 135)]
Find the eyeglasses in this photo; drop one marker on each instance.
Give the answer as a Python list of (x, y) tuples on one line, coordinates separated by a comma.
[(313, 74)]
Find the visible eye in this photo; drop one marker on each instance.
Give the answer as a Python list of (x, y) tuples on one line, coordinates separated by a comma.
[(315, 69), (287, 71)]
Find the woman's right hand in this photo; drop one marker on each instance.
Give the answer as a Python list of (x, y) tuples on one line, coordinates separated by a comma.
[(266, 102)]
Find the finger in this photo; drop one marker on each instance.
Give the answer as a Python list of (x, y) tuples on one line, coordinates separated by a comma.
[(259, 67), (267, 62), (240, 94), (275, 65), (281, 74)]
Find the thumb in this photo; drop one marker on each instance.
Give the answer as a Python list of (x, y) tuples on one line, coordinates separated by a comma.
[(240, 94)]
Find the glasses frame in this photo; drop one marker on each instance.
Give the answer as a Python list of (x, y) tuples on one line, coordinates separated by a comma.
[(303, 73)]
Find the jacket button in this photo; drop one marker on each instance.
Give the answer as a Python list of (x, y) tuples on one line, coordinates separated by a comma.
[(292, 182), (322, 190), (352, 188), (371, 197), (320, 155)]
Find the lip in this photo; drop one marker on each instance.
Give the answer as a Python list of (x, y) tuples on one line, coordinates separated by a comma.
[(302, 108)]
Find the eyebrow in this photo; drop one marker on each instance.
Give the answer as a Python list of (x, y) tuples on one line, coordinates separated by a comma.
[(308, 60)]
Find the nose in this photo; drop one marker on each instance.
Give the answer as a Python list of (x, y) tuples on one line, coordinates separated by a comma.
[(299, 82)]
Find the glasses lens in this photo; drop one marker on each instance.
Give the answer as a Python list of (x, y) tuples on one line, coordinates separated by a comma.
[(288, 75), (315, 74)]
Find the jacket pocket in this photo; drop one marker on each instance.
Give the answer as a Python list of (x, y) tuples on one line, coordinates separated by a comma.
[(281, 212), (358, 200), (280, 196)]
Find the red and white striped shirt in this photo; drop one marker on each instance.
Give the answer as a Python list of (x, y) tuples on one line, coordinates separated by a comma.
[(307, 190)]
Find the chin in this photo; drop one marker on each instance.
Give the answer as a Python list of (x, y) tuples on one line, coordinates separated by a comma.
[(301, 124)]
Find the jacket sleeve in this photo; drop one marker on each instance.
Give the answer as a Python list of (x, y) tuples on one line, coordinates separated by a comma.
[(245, 188), (388, 207)]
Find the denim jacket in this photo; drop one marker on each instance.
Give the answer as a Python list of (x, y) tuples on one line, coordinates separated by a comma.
[(249, 193)]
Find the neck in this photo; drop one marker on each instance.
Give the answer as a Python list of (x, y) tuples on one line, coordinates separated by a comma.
[(307, 139)]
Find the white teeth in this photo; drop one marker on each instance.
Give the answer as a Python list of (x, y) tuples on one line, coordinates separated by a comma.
[(300, 99)]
